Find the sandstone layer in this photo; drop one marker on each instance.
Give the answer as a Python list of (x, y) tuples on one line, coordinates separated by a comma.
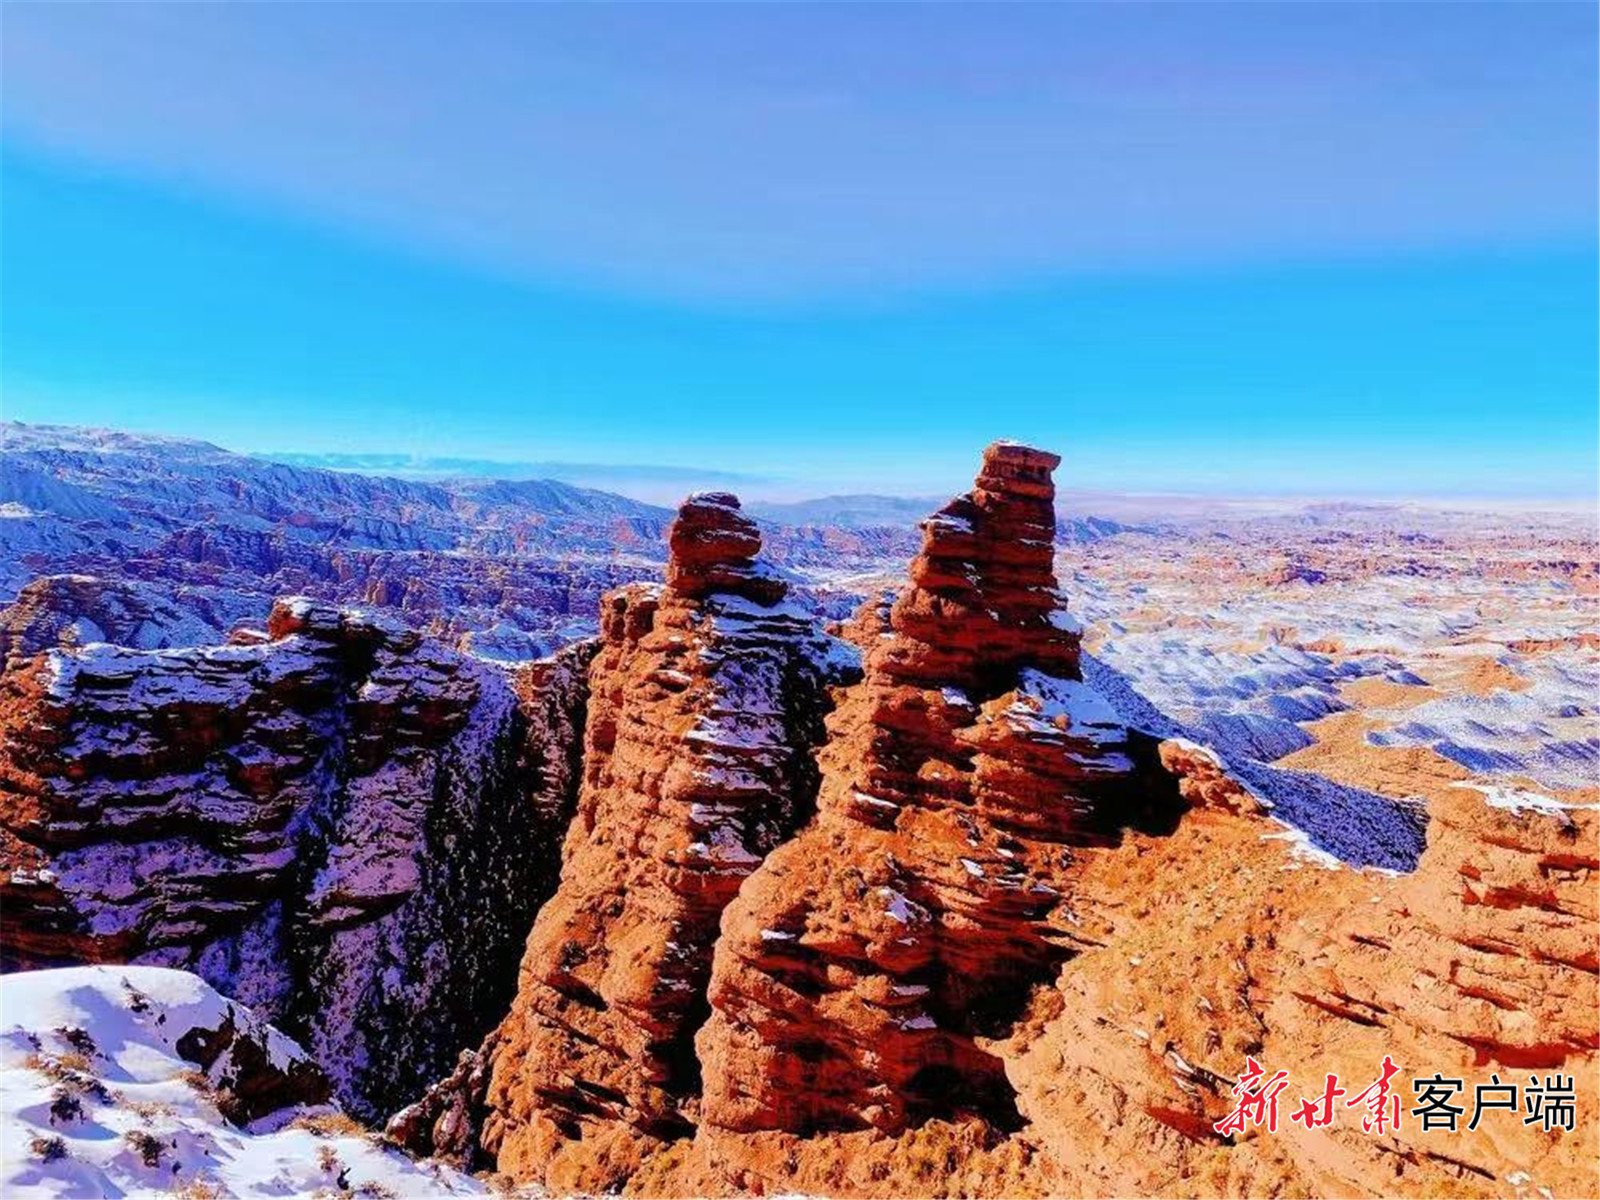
[(863, 970), (336, 821), (959, 914), (890, 1019), (1024, 947), (706, 699)]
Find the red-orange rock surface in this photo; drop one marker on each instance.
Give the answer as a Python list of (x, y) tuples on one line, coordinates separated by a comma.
[(706, 698), (863, 968), (1217, 944), (970, 935), (999, 961)]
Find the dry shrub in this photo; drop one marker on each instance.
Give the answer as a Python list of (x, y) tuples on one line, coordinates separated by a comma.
[(147, 1146), (201, 1187), (331, 1124)]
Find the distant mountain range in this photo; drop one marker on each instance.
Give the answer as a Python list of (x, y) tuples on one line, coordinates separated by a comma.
[(104, 492), (186, 538), (196, 535), (192, 537), (664, 484), (868, 511)]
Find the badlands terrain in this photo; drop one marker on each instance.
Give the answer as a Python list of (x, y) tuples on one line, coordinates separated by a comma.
[(464, 834)]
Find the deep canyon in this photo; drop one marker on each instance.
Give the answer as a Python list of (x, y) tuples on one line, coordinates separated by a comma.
[(674, 874)]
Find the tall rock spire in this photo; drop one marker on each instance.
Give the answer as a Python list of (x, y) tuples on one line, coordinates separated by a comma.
[(983, 595), (706, 698), (863, 966)]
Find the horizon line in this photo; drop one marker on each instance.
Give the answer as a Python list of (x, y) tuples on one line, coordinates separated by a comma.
[(480, 468)]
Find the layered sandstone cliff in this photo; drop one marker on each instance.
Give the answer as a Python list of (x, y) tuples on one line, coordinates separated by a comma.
[(864, 967), (334, 820), (1216, 943), (1023, 947), (959, 914), (1001, 961), (706, 699)]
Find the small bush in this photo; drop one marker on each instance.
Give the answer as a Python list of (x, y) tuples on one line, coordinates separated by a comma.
[(65, 1106), (148, 1147), (68, 1072), (48, 1149), (199, 1188), (200, 1082), (331, 1124), (149, 1110), (80, 1040)]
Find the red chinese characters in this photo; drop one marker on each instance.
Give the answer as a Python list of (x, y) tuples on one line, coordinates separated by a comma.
[(1258, 1102), (1314, 1114), (1382, 1105)]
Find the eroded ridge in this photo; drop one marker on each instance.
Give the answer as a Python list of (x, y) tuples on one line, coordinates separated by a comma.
[(863, 967), (706, 701), (334, 819)]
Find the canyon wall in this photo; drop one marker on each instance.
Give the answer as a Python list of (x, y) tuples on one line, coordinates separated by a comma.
[(334, 820), (706, 699), (1026, 942), (938, 906)]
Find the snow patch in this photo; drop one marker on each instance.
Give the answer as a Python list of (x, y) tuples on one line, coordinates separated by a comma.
[(1520, 800), (142, 1124)]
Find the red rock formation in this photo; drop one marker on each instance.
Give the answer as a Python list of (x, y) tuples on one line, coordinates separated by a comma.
[(705, 699), (1480, 961), (862, 967), (897, 1011), (712, 548), (983, 600), (990, 943), (248, 1080), (447, 1121), (1184, 948), (75, 610), (337, 821), (1216, 943)]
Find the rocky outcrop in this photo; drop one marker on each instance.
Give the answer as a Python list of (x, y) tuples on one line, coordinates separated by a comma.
[(447, 1121), (76, 610), (246, 1068), (1010, 957), (963, 914), (143, 1081), (1481, 961), (1218, 942), (706, 699), (1024, 950), (334, 820), (862, 969)]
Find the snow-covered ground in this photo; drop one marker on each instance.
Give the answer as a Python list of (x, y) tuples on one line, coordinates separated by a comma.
[(1506, 684), (97, 1100)]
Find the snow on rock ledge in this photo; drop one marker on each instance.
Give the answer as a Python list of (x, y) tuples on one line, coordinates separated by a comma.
[(345, 825), (143, 1081)]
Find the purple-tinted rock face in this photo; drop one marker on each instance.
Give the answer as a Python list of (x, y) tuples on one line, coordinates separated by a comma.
[(339, 822), (204, 540)]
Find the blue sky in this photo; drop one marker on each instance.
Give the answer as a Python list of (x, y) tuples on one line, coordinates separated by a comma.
[(1342, 249)]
